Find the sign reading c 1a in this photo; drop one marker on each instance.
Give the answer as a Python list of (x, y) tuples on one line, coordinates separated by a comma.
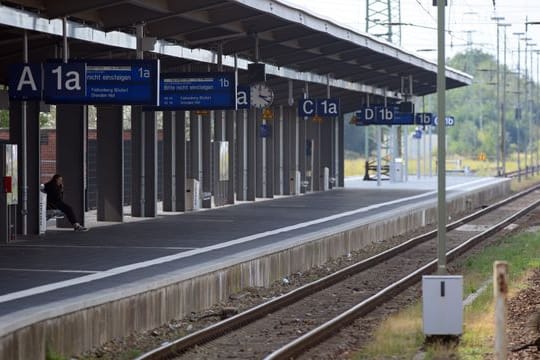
[(320, 107)]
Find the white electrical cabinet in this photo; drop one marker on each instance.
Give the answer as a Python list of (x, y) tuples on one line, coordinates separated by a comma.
[(397, 170), (442, 304), (295, 183), (193, 194), (326, 179), (42, 212)]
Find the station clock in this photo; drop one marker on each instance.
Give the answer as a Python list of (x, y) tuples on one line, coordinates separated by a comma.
[(261, 95)]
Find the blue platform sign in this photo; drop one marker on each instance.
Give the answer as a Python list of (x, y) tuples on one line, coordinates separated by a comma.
[(243, 97), (198, 91), (127, 82), (404, 119), (64, 82), (376, 115), (383, 115), (424, 119), (25, 82), (450, 120), (320, 107), (265, 130)]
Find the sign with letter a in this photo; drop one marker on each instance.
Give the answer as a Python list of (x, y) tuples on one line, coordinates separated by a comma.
[(25, 82)]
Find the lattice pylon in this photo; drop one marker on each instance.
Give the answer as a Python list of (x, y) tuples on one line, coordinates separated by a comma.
[(383, 19)]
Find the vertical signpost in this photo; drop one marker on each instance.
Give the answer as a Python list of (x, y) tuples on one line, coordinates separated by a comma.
[(441, 146), (448, 310)]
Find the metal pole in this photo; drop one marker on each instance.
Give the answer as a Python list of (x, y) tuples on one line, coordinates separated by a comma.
[(498, 97), (529, 106), (24, 151), (427, 154), (503, 107), (418, 144), (525, 107), (140, 56), (366, 135), (499, 112), (405, 139), (537, 103), (65, 54), (518, 107), (441, 133), (379, 150), (220, 68)]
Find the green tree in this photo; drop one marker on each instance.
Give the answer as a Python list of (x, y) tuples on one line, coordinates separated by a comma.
[(475, 108)]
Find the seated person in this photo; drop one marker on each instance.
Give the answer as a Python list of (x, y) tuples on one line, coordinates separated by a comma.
[(55, 193)]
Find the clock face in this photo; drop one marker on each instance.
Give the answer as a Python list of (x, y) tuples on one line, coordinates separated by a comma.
[(261, 96)]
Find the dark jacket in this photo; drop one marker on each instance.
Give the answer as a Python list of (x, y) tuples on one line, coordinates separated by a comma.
[(54, 193)]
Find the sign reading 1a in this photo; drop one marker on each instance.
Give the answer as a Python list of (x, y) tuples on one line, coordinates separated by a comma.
[(64, 80)]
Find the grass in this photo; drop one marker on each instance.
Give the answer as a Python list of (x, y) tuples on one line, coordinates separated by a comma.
[(356, 167), (52, 355), (401, 336)]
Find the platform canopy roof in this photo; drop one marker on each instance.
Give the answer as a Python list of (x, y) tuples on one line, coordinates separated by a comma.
[(294, 43)]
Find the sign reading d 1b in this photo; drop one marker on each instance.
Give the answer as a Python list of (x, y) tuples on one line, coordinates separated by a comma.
[(320, 107), (376, 115)]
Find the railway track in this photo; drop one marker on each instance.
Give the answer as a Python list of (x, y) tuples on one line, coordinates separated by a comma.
[(289, 325)]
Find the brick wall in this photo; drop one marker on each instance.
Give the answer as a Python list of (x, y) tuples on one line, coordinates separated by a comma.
[(48, 162)]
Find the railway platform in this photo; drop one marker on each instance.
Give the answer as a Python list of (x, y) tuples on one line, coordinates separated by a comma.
[(73, 291)]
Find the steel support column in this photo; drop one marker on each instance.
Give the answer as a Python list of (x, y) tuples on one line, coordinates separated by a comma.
[(260, 162), (207, 160), (174, 160), (340, 174), (277, 136), (241, 155), (268, 146), (71, 138), (286, 129), (302, 151), (325, 135), (230, 124), (144, 163), (32, 160), (251, 155), (110, 163)]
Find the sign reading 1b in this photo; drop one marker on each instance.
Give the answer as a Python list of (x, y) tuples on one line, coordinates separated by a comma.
[(198, 91)]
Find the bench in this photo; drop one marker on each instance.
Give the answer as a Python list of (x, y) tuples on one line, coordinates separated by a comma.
[(54, 214), (50, 213)]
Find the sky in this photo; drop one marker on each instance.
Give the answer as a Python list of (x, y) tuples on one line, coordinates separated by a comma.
[(468, 22)]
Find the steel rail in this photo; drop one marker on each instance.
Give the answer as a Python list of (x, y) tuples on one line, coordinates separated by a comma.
[(328, 329), (209, 333)]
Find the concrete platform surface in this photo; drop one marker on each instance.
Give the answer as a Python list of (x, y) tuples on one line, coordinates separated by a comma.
[(64, 263), (72, 291)]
